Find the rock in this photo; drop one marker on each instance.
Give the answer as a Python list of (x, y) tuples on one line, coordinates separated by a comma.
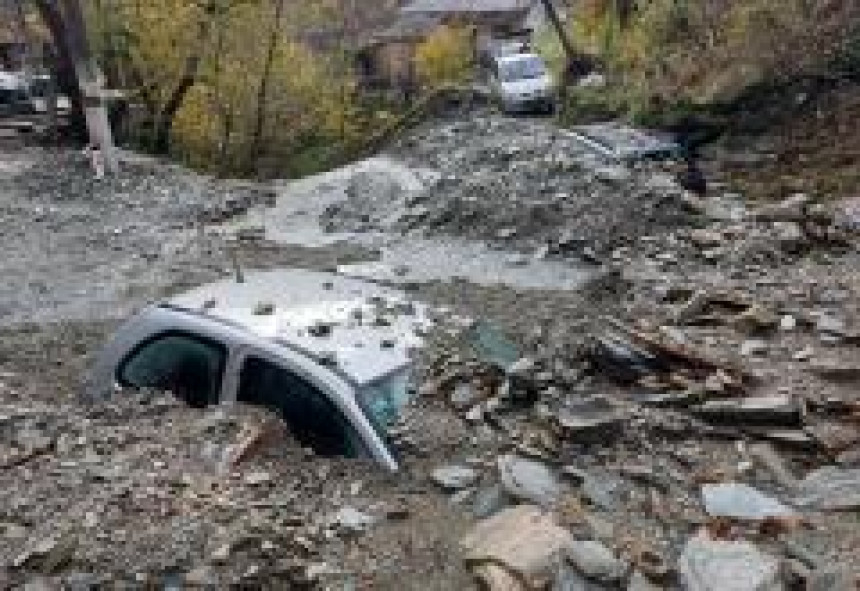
[(201, 577), (765, 455), (804, 354), (830, 325), (596, 561), (567, 578), (592, 422), (836, 371), (639, 582), (523, 367), (489, 501), (756, 320), (257, 478), (713, 565), (221, 554), (831, 578), (453, 478), (740, 501), (528, 481), (464, 396), (522, 540), (761, 410), (704, 238), (351, 520), (831, 489), (604, 489), (787, 323), (753, 348)]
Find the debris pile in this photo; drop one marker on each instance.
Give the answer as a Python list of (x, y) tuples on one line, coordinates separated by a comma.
[(515, 183)]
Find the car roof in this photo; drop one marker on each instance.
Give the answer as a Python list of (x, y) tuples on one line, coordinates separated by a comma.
[(366, 330), (516, 57)]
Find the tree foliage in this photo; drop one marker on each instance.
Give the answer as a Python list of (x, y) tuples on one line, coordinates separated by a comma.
[(226, 84), (714, 49), (445, 56)]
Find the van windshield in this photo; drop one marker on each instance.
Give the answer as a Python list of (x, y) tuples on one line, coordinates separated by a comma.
[(522, 69)]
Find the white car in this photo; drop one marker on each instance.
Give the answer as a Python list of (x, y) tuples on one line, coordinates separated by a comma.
[(522, 83), (332, 356)]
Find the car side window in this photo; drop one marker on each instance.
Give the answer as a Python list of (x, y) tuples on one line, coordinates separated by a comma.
[(312, 418), (188, 366)]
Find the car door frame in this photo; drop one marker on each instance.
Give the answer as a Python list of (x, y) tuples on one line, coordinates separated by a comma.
[(338, 391)]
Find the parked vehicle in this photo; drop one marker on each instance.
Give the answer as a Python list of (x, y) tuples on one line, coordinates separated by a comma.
[(332, 356), (14, 98), (522, 83)]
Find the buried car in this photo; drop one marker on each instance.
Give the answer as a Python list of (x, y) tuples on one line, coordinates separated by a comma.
[(332, 356)]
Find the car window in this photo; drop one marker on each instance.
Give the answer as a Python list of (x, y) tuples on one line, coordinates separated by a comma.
[(522, 69), (188, 366), (312, 418)]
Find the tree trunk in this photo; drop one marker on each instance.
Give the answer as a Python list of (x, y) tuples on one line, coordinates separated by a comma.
[(164, 124), (263, 91), (63, 66), (555, 20)]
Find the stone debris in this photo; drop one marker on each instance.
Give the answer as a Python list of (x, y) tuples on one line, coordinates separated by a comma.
[(575, 437), (716, 565)]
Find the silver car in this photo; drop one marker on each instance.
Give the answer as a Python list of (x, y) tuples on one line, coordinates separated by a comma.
[(522, 83), (332, 356)]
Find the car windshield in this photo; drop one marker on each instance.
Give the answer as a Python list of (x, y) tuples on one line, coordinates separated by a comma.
[(521, 69), (383, 400)]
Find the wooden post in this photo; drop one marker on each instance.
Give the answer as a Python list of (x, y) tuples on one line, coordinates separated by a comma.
[(91, 83)]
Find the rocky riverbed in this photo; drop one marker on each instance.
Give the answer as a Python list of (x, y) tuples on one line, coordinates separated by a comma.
[(684, 417)]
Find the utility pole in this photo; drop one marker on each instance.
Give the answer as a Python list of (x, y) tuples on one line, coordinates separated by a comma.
[(92, 83), (65, 20)]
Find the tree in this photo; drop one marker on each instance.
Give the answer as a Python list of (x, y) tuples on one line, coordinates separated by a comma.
[(63, 64), (444, 57), (78, 74)]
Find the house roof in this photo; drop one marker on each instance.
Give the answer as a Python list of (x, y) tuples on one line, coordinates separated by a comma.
[(468, 6), (409, 25)]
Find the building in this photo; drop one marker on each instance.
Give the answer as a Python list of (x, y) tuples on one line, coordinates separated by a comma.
[(386, 59)]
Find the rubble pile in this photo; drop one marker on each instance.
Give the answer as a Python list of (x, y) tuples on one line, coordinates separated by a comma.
[(144, 491), (706, 437), (518, 184), (693, 422)]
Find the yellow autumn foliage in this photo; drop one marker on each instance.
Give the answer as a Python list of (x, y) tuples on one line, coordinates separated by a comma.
[(445, 56), (259, 92)]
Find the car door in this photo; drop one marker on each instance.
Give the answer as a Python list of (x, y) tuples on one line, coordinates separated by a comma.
[(319, 415), (189, 365)]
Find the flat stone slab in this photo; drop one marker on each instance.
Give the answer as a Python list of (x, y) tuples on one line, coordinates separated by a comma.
[(741, 501), (715, 565), (831, 489), (523, 540)]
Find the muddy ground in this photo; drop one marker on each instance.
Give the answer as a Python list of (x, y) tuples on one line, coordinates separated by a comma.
[(736, 362)]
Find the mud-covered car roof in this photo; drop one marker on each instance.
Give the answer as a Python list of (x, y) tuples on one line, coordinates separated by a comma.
[(364, 330)]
